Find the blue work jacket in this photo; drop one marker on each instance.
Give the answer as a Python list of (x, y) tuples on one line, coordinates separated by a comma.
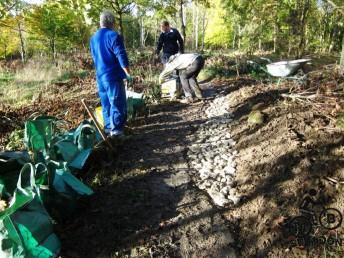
[(109, 55)]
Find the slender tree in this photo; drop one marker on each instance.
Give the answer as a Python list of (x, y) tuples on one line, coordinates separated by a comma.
[(342, 55), (182, 20), (121, 7), (21, 38)]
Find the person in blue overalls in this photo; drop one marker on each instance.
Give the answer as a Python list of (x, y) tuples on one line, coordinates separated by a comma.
[(112, 67), (170, 41)]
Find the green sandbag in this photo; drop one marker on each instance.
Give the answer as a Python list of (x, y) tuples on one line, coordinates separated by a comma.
[(65, 150), (11, 243), (134, 106), (85, 136), (75, 150), (72, 147), (34, 249), (80, 160), (65, 183), (38, 135), (25, 225), (10, 166), (64, 190), (31, 218)]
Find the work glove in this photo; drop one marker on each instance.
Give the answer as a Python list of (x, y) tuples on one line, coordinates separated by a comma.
[(129, 78)]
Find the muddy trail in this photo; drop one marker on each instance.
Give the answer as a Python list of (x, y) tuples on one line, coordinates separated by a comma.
[(202, 180), (149, 206)]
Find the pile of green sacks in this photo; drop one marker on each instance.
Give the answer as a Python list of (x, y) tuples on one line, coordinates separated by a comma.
[(40, 183)]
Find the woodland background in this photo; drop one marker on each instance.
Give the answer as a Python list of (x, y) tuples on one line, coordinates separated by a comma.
[(285, 27)]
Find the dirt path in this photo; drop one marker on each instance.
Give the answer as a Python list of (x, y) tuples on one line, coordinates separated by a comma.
[(150, 204), (151, 207)]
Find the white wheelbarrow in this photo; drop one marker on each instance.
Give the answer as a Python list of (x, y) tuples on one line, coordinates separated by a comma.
[(284, 69)]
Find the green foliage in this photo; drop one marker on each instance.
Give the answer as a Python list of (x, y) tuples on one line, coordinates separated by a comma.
[(57, 27), (340, 121), (257, 70), (66, 76), (153, 93), (287, 27), (284, 26), (140, 56), (9, 40), (15, 140), (6, 78), (255, 117), (218, 33), (207, 74)]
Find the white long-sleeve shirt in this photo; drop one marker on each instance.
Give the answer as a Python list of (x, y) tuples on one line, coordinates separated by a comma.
[(178, 62)]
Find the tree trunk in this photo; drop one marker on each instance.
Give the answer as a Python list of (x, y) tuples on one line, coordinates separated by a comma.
[(197, 18), (181, 14), (142, 32), (145, 38), (234, 36), (203, 28), (289, 45), (275, 37), (156, 32), (342, 56), (193, 24), (239, 37), (22, 46), (54, 50), (120, 23), (53, 47), (302, 28)]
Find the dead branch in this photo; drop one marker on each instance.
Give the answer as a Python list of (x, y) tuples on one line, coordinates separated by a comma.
[(333, 180), (298, 96)]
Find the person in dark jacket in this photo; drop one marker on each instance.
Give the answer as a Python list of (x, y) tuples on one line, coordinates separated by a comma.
[(112, 66), (170, 41)]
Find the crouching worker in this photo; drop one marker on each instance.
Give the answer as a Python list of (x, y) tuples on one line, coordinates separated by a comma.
[(188, 66), (112, 67)]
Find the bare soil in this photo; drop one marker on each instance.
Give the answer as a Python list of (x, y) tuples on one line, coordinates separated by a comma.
[(279, 162), (148, 206)]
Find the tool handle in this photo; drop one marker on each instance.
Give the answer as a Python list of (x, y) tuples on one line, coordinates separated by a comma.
[(95, 122)]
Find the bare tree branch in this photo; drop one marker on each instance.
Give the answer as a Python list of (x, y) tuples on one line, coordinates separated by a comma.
[(116, 6), (340, 8), (5, 7)]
